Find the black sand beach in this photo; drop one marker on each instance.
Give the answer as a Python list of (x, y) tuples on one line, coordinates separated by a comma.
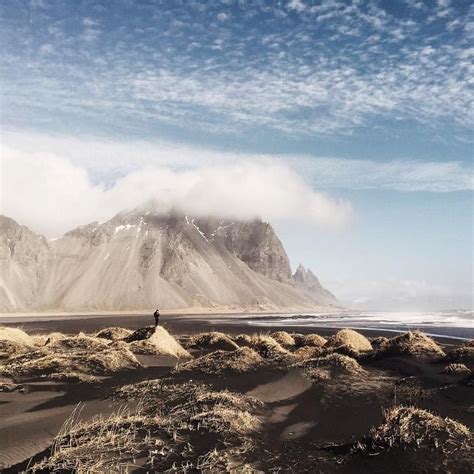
[(195, 323), (307, 418)]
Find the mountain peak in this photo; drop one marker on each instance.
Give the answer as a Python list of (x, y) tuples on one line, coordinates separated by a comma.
[(307, 281)]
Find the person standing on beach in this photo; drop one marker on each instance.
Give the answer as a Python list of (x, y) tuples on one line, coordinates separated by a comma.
[(156, 315)]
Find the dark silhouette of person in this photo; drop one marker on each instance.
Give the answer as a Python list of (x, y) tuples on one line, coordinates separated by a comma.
[(156, 315)]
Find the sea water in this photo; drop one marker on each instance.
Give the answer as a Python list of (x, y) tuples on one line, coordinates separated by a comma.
[(457, 324)]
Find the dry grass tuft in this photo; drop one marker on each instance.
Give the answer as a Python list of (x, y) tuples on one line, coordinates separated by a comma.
[(15, 335), (197, 404), (212, 341), (106, 444), (415, 344), (244, 359), (350, 339), (405, 427), (12, 348), (283, 338), (172, 429), (329, 366), (113, 333), (456, 369), (302, 340)]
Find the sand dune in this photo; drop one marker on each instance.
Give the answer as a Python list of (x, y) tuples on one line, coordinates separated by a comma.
[(259, 407)]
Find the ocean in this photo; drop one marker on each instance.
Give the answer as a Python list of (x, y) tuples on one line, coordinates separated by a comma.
[(455, 324)]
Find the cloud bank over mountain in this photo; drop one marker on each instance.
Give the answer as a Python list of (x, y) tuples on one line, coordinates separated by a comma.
[(51, 194)]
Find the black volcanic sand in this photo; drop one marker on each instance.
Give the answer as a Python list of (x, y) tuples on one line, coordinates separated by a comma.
[(307, 426)]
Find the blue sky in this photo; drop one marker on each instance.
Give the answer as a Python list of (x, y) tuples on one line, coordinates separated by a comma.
[(368, 103)]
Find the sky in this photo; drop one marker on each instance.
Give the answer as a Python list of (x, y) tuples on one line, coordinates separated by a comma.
[(346, 124)]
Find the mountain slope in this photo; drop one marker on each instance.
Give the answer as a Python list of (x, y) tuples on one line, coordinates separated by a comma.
[(307, 281), (24, 258), (140, 260)]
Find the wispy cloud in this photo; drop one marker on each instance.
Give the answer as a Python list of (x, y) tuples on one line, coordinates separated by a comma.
[(295, 68)]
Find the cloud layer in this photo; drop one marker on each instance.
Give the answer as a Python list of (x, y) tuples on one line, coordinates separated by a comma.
[(292, 67), (51, 195)]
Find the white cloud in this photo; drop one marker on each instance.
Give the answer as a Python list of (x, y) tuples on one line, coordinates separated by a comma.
[(222, 16), (207, 78), (297, 5), (51, 194), (105, 160)]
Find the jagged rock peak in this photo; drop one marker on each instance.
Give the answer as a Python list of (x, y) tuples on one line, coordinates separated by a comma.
[(307, 281)]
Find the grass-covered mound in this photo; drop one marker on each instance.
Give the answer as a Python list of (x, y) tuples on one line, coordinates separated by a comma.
[(79, 343), (283, 338), (308, 352), (212, 341), (113, 333), (46, 362), (243, 340), (82, 357), (311, 340), (329, 366), (415, 344), (349, 341), (15, 335), (175, 428), (270, 349), (409, 431), (155, 341), (241, 360)]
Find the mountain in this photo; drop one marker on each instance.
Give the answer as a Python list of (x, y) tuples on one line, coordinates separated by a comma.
[(142, 260), (307, 281), (24, 260)]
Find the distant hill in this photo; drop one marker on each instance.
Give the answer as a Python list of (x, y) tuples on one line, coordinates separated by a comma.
[(139, 260)]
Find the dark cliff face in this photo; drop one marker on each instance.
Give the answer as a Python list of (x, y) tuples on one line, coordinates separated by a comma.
[(253, 242), (256, 244)]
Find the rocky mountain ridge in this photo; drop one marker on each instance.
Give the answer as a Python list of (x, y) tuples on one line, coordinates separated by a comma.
[(139, 260)]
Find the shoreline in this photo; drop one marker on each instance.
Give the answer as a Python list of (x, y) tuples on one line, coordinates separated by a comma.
[(192, 311), (180, 324)]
